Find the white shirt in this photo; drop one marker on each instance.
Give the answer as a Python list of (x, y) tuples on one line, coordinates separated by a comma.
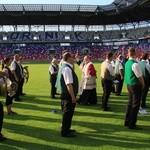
[(5, 70), (120, 65), (107, 65), (147, 66), (110, 68), (13, 65), (67, 74), (61, 62), (136, 69), (51, 68), (113, 63)]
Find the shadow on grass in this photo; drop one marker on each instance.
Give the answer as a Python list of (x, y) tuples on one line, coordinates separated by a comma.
[(103, 135), (12, 144), (49, 118), (90, 134)]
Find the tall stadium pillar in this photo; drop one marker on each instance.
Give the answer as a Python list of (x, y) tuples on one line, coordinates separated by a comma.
[(15, 28), (87, 28), (44, 32), (29, 27), (104, 27), (73, 27)]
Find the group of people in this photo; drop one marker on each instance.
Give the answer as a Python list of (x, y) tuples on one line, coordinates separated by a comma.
[(13, 79), (135, 74)]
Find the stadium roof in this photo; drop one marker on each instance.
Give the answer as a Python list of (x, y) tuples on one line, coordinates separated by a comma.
[(118, 12)]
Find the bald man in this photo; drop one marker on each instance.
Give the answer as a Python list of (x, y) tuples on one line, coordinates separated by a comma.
[(88, 82)]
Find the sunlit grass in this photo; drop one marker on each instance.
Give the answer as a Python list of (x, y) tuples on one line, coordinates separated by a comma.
[(37, 128)]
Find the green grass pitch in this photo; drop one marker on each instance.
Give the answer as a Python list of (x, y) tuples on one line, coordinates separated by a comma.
[(37, 128)]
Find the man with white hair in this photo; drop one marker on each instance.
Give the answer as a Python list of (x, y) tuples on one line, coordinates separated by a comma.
[(18, 74), (88, 82)]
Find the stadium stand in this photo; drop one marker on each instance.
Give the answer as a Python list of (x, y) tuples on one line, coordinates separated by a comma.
[(41, 53), (40, 45), (77, 36)]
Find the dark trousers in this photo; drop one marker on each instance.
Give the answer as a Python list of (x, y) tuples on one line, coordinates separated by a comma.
[(18, 92), (119, 85), (88, 97), (1, 116), (21, 85), (9, 99), (53, 88), (144, 93), (133, 105), (68, 110), (107, 87)]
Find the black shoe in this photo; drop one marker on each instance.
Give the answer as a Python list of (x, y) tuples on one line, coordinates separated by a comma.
[(68, 135), (106, 109), (2, 138), (136, 128), (144, 107), (57, 94), (117, 94), (23, 94), (78, 102), (53, 97), (12, 113), (73, 131), (126, 124), (18, 99)]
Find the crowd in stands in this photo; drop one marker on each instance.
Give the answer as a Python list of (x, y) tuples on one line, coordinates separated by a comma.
[(44, 53)]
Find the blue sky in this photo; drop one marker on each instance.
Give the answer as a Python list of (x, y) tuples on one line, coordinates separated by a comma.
[(87, 2)]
